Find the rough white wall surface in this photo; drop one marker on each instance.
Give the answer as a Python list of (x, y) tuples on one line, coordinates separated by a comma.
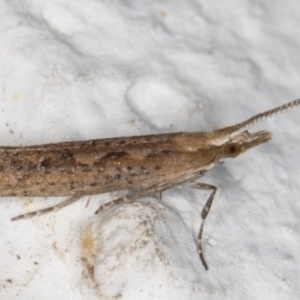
[(86, 69)]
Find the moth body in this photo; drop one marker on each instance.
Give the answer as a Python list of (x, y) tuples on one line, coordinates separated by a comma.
[(141, 165)]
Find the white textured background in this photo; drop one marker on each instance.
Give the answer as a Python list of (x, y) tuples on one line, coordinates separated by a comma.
[(85, 69)]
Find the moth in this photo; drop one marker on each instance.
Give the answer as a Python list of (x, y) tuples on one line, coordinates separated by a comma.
[(139, 165)]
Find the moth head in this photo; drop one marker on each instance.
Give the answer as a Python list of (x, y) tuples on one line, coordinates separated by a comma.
[(234, 140), (242, 143)]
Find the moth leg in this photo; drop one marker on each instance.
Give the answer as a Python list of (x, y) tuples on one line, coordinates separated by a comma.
[(154, 189), (48, 209), (111, 203), (157, 188), (204, 215)]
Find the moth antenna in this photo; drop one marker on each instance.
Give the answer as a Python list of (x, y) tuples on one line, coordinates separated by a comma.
[(243, 126)]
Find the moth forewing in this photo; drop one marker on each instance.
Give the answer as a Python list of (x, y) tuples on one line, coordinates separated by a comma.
[(143, 165)]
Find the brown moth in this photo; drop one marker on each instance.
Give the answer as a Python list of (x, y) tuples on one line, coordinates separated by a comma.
[(141, 165)]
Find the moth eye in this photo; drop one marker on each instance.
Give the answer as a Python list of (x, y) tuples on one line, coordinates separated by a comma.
[(232, 150)]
